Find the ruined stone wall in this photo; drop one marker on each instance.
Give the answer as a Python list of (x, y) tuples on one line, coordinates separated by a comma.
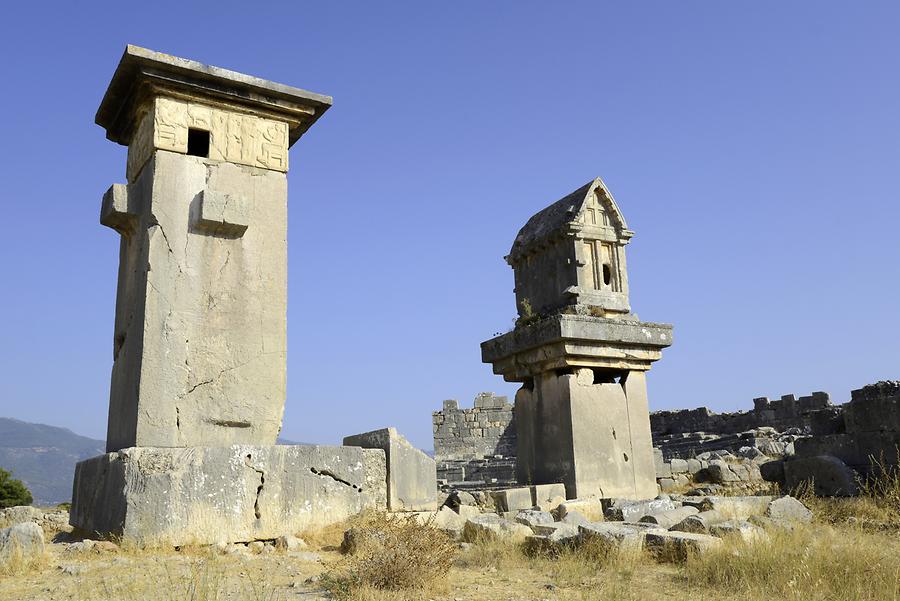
[(486, 430), (813, 414), (477, 446), (871, 429), (687, 432)]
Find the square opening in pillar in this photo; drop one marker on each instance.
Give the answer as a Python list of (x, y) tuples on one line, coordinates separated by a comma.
[(198, 143)]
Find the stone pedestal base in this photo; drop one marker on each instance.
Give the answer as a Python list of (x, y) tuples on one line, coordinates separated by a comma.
[(592, 436), (205, 495)]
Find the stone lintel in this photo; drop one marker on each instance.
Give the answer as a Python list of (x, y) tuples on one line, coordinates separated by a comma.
[(569, 341), (143, 74)]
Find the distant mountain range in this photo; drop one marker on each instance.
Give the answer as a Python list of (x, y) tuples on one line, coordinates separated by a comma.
[(44, 457)]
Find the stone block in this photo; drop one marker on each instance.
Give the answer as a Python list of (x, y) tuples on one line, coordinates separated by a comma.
[(733, 507), (544, 495), (772, 471), (489, 526), (449, 521), (676, 546), (512, 499), (627, 510), (565, 535), (788, 509), (115, 211), (19, 514), (663, 468), (223, 214), (679, 466), (829, 475), (532, 518), (25, 540), (208, 495), (667, 485), (592, 509), (667, 519), (693, 466), (226, 384), (616, 535), (742, 529), (411, 474), (718, 472), (699, 523), (874, 408), (563, 438)]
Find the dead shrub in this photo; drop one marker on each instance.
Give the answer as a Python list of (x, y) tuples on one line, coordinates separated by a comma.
[(392, 553)]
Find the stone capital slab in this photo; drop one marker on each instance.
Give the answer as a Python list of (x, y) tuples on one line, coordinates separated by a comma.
[(571, 341), (143, 74)]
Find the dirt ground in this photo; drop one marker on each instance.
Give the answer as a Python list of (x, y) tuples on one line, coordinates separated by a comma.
[(820, 561)]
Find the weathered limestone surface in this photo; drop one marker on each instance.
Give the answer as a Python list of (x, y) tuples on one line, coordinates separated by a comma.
[(569, 341), (200, 338), (198, 380), (205, 495), (199, 343), (829, 476), (582, 416), (676, 546), (25, 540), (411, 477), (513, 499), (609, 454)]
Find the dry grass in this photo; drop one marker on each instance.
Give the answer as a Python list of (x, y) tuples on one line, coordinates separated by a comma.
[(830, 560), (876, 508), (815, 562), (18, 564), (392, 553)]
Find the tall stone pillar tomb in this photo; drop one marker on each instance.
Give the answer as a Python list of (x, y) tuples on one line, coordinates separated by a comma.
[(580, 353), (198, 379), (199, 345)]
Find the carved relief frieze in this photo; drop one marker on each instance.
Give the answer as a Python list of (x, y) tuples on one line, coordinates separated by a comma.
[(234, 137)]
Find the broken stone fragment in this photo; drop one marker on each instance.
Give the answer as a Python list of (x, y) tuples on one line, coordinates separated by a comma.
[(788, 509), (733, 507), (513, 499), (616, 535), (699, 523), (829, 476), (668, 518), (532, 517), (676, 546), (492, 527), (411, 474), (289, 542), (25, 540), (742, 529), (628, 510), (592, 509)]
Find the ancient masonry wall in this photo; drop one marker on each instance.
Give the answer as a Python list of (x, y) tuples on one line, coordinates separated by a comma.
[(687, 432), (871, 430), (476, 445)]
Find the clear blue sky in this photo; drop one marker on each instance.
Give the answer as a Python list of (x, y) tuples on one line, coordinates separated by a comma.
[(753, 147)]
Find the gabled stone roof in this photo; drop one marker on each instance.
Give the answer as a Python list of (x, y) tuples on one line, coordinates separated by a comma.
[(548, 222)]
